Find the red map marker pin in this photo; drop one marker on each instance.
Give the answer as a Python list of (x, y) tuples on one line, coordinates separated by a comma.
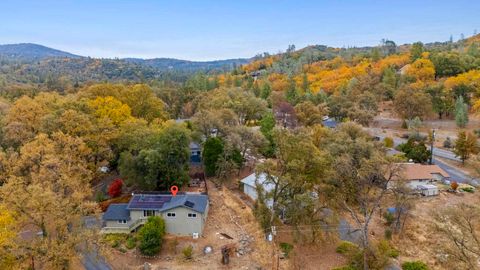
[(174, 190)]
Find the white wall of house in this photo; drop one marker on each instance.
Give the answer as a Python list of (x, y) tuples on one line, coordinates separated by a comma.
[(413, 184), (250, 191), (116, 224)]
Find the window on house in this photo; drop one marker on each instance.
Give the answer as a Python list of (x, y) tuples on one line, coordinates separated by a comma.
[(192, 215), (170, 214), (148, 213), (122, 221)]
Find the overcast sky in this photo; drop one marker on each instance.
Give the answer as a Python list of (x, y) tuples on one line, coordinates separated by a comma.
[(208, 30)]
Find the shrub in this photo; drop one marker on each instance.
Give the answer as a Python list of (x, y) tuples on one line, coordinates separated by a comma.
[(114, 240), (416, 265), (447, 143), (100, 196), (346, 247), (151, 236), (286, 248), (131, 243), (454, 185), (122, 250), (468, 189), (477, 132), (389, 218), (388, 234), (115, 188), (388, 142), (188, 252)]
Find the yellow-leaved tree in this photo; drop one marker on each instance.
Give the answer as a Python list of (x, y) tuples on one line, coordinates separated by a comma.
[(110, 108)]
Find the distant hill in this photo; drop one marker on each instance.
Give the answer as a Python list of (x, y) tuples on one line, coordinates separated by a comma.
[(30, 51), (33, 63), (185, 65)]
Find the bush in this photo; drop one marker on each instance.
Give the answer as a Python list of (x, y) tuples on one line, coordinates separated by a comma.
[(388, 142), (131, 243), (114, 240), (100, 196), (188, 252), (286, 248), (468, 189), (346, 247), (389, 218), (447, 143), (388, 234), (454, 185), (151, 236), (115, 188), (416, 265)]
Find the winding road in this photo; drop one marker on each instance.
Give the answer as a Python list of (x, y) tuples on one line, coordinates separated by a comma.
[(455, 174)]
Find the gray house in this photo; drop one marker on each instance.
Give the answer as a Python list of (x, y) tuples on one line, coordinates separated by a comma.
[(184, 214), (250, 186)]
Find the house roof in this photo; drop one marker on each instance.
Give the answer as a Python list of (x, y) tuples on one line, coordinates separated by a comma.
[(194, 146), (163, 202), (261, 179), (414, 171), (330, 123), (117, 211)]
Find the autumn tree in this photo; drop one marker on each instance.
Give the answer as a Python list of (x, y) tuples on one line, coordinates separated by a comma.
[(110, 108), (49, 187), (458, 235), (23, 120), (7, 238), (421, 70), (410, 103), (465, 145), (361, 178), (298, 167), (308, 114)]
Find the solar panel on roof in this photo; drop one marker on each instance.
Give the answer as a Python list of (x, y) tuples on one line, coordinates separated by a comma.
[(189, 204)]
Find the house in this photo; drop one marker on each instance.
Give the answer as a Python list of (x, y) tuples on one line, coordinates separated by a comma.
[(184, 214), (195, 153), (421, 177), (250, 186), (329, 123)]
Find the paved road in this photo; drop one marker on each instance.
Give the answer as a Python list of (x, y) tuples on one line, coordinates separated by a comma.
[(455, 174), (91, 259), (396, 141)]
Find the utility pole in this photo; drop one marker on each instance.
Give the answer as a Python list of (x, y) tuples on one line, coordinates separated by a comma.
[(431, 146)]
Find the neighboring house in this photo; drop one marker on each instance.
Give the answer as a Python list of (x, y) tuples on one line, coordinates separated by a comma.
[(403, 70), (250, 186), (195, 153), (329, 123), (184, 214), (421, 177)]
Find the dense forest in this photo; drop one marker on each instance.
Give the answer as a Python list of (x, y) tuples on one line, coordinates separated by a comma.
[(63, 118)]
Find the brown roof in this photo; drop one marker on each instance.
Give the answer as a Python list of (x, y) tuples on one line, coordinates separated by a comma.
[(413, 171)]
